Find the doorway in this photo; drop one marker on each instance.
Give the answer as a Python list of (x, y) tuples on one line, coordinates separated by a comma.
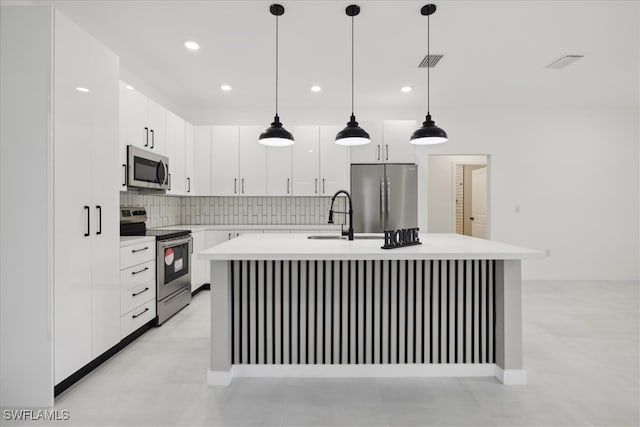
[(458, 195)]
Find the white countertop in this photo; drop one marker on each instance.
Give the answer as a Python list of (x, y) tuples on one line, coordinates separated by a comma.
[(134, 240), (199, 227), (288, 246)]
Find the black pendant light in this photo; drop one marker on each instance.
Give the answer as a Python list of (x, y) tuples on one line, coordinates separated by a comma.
[(429, 133), (352, 134), (276, 135)]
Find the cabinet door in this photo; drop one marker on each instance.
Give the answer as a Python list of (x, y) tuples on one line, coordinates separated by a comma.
[(334, 162), (72, 192), (157, 118), (306, 161), (395, 138), (105, 229), (279, 171), (175, 145), (253, 162), (189, 159), (122, 135), (137, 119), (201, 161), (226, 161), (371, 152)]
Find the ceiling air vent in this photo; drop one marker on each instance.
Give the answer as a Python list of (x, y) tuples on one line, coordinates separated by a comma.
[(430, 61), (564, 61)]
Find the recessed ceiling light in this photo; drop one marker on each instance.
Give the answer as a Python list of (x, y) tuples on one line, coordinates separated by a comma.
[(225, 88), (129, 87), (316, 88), (82, 89), (406, 89), (191, 45)]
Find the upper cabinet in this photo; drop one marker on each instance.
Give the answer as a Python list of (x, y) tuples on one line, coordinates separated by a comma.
[(253, 162), (334, 162), (145, 121), (225, 143), (201, 182), (389, 143), (189, 158), (279, 171), (176, 152), (306, 160)]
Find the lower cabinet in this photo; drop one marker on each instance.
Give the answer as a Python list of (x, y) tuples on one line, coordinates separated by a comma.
[(137, 285), (199, 270)]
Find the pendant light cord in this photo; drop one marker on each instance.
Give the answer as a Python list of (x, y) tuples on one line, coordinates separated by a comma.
[(428, 64), (276, 65), (352, 68)]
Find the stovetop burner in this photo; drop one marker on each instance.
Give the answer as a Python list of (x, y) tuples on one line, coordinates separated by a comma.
[(132, 223)]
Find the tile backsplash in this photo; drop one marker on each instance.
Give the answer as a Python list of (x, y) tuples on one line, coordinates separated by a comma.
[(171, 210)]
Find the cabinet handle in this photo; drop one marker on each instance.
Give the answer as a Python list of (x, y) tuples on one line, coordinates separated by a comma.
[(124, 183), (378, 151), (188, 185), (229, 236), (133, 251), (316, 186), (235, 185), (135, 294), (169, 178), (146, 144), (387, 149), (153, 139), (141, 313), (242, 185), (288, 181), (99, 209), (322, 185), (88, 209), (133, 273)]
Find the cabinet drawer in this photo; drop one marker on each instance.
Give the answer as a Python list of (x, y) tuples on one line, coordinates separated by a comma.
[(137, 254), (138, 274), (137, 317), (137, 295)]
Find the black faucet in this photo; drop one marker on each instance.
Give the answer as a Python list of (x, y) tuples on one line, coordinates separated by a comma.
[(349, 232)]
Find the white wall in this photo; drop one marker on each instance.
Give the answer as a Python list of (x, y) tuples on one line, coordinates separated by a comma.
[(441, 187), (26, 253)]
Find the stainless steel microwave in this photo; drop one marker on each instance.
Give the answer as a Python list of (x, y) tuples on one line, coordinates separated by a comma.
[(146, 169)]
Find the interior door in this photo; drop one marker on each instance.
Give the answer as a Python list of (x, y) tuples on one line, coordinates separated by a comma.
[(479, 203), (401, 201)]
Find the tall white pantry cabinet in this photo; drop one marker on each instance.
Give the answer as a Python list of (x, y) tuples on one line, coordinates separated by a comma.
[(86, 199)]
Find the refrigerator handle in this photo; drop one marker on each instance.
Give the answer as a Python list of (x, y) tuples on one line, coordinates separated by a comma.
[(382, 200), (388, 202)]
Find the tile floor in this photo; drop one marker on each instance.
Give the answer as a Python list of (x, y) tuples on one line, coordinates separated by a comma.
[(581, 346)]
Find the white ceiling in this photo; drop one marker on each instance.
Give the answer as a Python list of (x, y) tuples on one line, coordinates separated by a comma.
[(495, 52)]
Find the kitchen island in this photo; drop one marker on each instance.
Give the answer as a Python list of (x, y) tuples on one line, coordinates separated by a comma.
[(289, 305)]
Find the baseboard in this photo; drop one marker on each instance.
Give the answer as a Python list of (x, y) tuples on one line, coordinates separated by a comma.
[(219, 377), (511, 376)]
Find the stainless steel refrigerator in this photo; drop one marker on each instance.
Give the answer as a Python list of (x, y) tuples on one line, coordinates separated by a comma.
[(385, 197)]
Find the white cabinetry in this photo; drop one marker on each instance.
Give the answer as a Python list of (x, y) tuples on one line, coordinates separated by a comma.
[(395, 138), (334, 162), (226, 160), (86, 221), (253, 162), (279, 171), (176, 149), (137, 285), (389, 143), (144, 121), (201, 185), (239, 162), (306, 164), (189, 158)]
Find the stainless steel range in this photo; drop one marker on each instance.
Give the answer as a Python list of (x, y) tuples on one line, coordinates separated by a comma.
[(173, 261)]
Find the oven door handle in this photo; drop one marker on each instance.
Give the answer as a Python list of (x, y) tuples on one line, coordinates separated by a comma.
[(174, 242)]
